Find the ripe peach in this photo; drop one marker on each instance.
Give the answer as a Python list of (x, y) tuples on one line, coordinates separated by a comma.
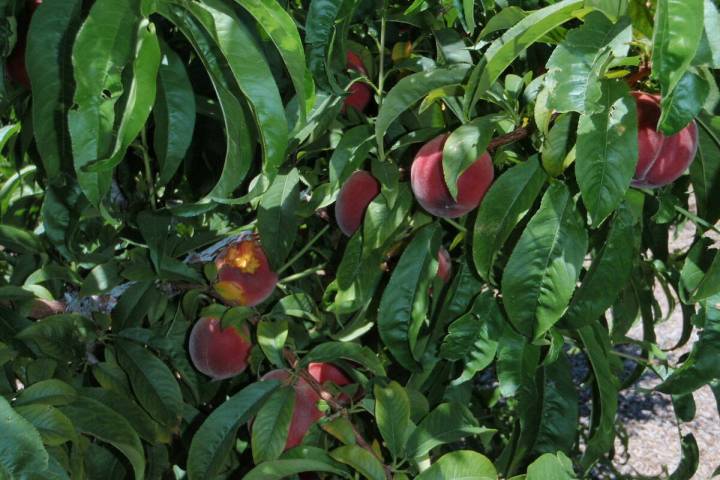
[(359, 93), (244, 276), (305, 411), (219, 353), (661, 159), (428, 182), (444, 265), (355, 195)]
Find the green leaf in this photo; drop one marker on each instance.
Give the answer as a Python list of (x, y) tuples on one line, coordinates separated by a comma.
[(577, 65), (710, 283), (320, 26), (690, 459), (272, 425), (504, 19), (240, 141), (609, 272), (349, 154), (62, 337), (101, 279), (154, 385), (516, 361), (503, 51), (277, 218), (607, 151), (120, 401), (474, 336), (280, 26), (392, 414), (558, 151), (331, 351), (705, 170), (683, 104), (701, 366), (404, 300), (103, 47), (271, 338), (174, 114), (216, 436), (252, 73), (361, 460), (559, 409), (19, 240), (49, 69), (54, 427), (140, 97), (278, 469), (409, 90), (676, 38), (540, 275), (46, 392), (460, 465), (597, 345), (506, 203), (463, 147), (21, 448), (551, 467), (94, 418), (447, 423)]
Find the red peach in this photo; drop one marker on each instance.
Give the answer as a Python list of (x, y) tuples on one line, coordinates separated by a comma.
[(661, 159), (244, 276), (327, 372), (219, 353), (428, 182), (444, 265), (359, 94), (355, 195), (305, 410)]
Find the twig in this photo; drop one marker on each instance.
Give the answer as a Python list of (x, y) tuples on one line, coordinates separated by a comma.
[(514, 136)]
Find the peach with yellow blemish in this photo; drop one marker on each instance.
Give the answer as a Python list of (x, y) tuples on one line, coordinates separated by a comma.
[(244, 276)]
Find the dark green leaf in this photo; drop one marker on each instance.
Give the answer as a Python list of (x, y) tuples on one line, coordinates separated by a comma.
[(154, 385), (460, 465), (216, 436), (331, 351), (447, 423), (705, 170), (401, 308), (506, 203), (174, 114), (607, 151), (21, 448), (392, 414), (540, 275), (683, 104), (94, 418), (272, 425), (411, 89), (103, 47), (48, 65), (551, 467), (463, 147), (361, 460), (577, 65), (277, 217)]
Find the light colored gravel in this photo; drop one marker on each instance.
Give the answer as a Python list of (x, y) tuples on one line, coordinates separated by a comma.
[(653, 441)]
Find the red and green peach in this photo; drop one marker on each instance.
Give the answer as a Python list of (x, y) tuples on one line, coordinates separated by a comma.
[(219, 353), (428, 181)]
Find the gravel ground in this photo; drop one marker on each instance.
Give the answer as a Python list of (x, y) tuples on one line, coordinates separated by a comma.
[(652, 443)]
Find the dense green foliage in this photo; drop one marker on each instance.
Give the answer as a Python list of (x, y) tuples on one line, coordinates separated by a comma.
[(153, 130)]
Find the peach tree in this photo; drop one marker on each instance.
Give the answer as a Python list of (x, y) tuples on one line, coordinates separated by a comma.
[(378, 239)]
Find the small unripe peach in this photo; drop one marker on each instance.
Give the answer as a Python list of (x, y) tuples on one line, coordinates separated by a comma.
[(359, 93), (305, 410), (428, 181), (219, 353), (244, 277), (353, 199), (444, 265), (661, 159)]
